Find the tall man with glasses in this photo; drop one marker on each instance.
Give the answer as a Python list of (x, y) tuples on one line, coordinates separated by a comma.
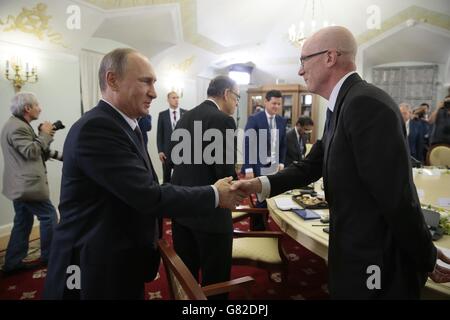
[(271, 126), (205, 243), (379, 246)]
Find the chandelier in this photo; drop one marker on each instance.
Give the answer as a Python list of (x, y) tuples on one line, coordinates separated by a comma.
[(313, 15)]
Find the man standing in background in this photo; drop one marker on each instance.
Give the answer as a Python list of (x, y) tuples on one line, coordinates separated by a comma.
[(167, 121), (271, 161), (297, 139), (25, 180), (204, 242)]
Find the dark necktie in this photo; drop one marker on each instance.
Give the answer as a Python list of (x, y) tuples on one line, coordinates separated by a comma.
[(300, 143), (174, 119), (328, 120)]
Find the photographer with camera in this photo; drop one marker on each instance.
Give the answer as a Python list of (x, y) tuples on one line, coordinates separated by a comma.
[(441, 120), (25, 180)]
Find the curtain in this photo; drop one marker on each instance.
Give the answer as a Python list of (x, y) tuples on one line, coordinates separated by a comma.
[(90, 89)]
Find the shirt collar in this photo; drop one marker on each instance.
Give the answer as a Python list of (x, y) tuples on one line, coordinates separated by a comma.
[(132, 122), (268, 115), (214, 103), (336, 89), (177, 110)]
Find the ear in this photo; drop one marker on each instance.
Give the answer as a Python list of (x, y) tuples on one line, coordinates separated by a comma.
[(111, 80), (225, 94), (331, 58), (28, 108)]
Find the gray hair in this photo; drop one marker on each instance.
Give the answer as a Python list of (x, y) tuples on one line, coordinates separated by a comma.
[(20, 101), (405, 105), (114, 61)]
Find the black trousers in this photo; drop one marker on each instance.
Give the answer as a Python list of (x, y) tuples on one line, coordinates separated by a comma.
[(167, 170), (208, 253)]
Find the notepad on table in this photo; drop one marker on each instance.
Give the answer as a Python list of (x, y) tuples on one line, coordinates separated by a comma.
[(286, 203), (306, 214)]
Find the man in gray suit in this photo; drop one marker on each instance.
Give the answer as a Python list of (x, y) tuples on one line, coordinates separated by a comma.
[(25, 180)]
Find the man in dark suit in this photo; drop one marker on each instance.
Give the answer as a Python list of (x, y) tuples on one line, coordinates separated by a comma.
[(414, 131), (167, 121), (297, 138), (379, 246), (270, 122), (105, 244), (204, 243), (268, 125)]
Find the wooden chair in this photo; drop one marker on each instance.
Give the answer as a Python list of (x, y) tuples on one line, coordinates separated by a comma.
[(182, 284), (439, 155), (261, 249)]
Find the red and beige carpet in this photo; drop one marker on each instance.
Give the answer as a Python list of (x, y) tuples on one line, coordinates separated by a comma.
[(307, 276)]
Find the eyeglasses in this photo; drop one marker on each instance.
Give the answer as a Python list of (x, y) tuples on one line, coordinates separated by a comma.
[(303, 59), (238, 97)]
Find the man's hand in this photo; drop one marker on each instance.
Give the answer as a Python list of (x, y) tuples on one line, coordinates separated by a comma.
[(247, 187), (228, 198), (280, 167), (162, 156), (47, 127), (441, 274)]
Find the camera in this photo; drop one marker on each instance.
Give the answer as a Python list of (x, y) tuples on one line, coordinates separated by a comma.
[(56, 125), (447, 104)]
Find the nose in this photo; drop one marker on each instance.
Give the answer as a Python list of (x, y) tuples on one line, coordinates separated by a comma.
[(301, 71), (152, 92)]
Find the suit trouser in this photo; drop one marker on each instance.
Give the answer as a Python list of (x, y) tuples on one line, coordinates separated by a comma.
[(167, 170), (209, 253), (17, 248)]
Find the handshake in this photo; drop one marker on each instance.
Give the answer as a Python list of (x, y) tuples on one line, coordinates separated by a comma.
[(231, 193)]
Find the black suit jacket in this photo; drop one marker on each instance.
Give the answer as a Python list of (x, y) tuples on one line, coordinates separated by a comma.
[(293, 147), (110, 201), (375, 214), (187, 174), (164, 130)]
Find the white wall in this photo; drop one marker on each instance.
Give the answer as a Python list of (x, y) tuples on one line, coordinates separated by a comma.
[(58, 91)]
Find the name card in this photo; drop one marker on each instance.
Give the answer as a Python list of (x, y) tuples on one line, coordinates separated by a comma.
[(444, 202)]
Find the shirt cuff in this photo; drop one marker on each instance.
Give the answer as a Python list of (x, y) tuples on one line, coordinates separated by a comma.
[(265, 189), (216, 194), (249, 170)]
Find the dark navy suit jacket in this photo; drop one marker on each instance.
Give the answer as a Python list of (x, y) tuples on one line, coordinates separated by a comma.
[(110, 202), (164, 130), (259, 121)]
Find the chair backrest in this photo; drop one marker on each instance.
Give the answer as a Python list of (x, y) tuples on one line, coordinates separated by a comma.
[(182, 284), (439, 155)]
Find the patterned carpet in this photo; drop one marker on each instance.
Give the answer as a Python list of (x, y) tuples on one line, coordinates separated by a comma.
[(307, 276)]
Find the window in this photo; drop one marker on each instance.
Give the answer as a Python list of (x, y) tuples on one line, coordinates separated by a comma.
[(411, 84)]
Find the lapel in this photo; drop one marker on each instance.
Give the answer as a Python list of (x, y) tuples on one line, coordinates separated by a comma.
[(130, 133), (346, 86)]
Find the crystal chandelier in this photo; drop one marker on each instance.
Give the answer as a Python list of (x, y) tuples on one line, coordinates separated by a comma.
[(313, 14)]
